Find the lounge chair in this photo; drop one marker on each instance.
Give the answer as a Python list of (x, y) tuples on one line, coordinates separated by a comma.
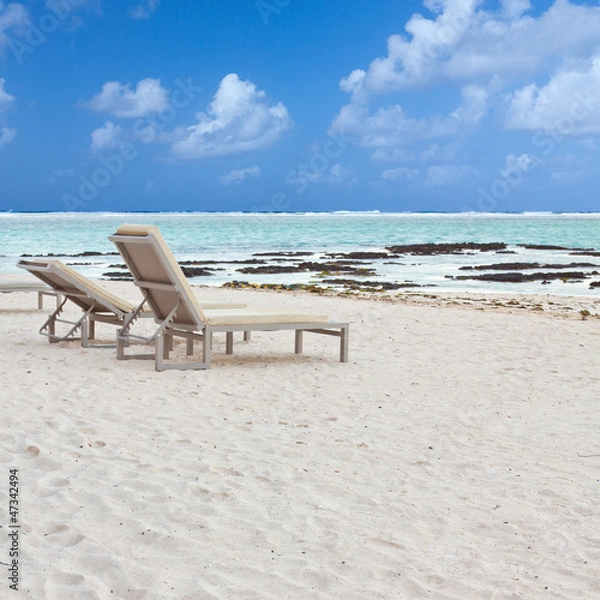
[(97, 304), (179, 313), (42, 290)]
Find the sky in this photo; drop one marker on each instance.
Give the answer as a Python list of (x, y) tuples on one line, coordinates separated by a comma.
[(299, 105)]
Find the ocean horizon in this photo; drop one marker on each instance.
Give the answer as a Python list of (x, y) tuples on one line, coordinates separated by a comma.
[(223, 240)]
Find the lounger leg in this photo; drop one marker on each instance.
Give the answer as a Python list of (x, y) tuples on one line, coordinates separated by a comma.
[(159, 352), (40, 300), (206, 346), (85, 333), (189, 346), (298, 346), (52, 330), (121, 343), (344, 343), (91, 329), (167, 344), (229, 342), (247, 336)]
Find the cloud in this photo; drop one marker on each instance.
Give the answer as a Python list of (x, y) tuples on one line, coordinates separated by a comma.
[(444, 175), (105, 138), (237, 120), (487, 52), (144, 10), (388, 127), (400, 174), (474, 105), (13, 17), (340, 175), (7, 135), (514, 164), (5, 98), (463, 41), (120, 100), (238, 175), (568, 104)]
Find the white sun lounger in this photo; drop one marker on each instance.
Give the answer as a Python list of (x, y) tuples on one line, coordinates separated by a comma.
[(179, 313), (42, 290), (96, 303)]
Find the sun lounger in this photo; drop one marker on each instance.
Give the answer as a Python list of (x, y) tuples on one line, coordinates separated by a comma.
[(178, 312), (97, 304), (42, 290)]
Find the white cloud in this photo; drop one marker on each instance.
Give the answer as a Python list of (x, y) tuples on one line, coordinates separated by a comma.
[(13, 17), (340, 175), (105, 138), (238, 175), (400, 174), (388, 127), (485, 51), (444, 175), (120, 100), (7, 135), (144, 9), (474, 106), (568, 104), (5, 97), (513, 9), (464, 41), (514, 164), (237, 120)]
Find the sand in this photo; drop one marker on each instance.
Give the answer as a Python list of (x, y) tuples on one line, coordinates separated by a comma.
[(455, 456)]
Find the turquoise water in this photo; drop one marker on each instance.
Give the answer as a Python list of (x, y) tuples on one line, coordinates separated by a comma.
[(218, 236)]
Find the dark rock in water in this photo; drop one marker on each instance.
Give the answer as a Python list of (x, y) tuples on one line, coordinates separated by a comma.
[(122, 278), (594, 284), (354, 284), (314, 267), (88, 253), (522, 277), (283, 254), (248, 261), (268, 269), (585, 253), (360, 255), (80, 254), (118, 276), (430, 249), (521, 266), (117, 266), (196, 271), (505, 252), (542, 247)]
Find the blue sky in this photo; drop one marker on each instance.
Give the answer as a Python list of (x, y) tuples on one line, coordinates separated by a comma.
[(300, 105)]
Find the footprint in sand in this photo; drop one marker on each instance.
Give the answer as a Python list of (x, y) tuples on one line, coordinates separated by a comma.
[(61, 535)]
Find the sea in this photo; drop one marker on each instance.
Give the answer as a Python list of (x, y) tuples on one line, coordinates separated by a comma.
[(217, 238)]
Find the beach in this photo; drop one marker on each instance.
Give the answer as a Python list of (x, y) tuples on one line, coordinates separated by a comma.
[(455, 455)]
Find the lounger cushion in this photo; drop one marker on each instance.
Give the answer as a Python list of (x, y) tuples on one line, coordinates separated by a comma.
[(64, 280), (145, 261), (258, 317)]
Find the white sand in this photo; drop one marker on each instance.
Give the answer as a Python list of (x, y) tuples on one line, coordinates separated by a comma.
[(456, 455)]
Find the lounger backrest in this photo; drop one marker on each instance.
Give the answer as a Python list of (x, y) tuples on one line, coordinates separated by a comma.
[(157, 273), (84, 292)]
